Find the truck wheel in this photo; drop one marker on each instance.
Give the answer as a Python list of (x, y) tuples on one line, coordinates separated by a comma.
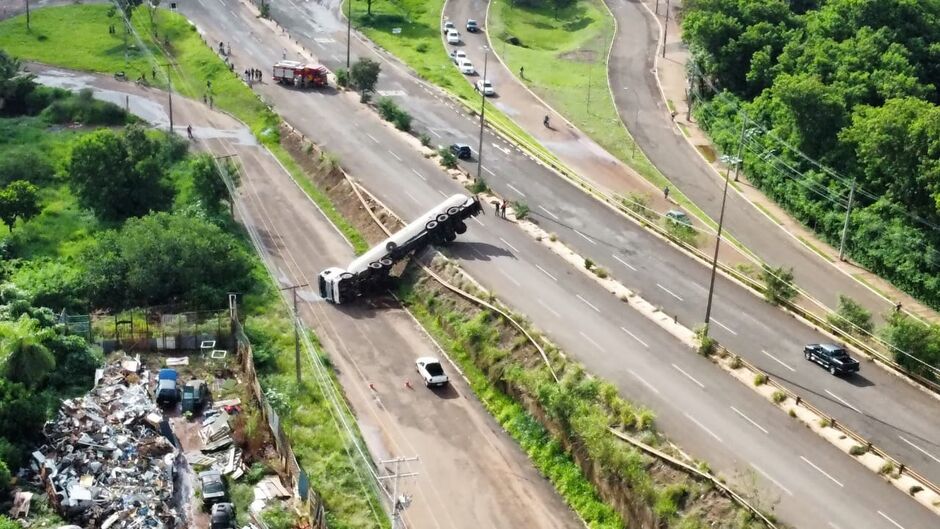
[(807, 355), (387, 263), (453, 211), (390, 247), (832, 370), (460, 227), (346, 275), (442, 218), (431, 225), (449, 236), (375, 265)]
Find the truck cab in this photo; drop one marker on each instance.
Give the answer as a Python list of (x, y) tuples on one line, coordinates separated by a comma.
[(334, 285)]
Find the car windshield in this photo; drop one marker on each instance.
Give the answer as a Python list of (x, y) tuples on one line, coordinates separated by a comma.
[(434, 369), (213, 487)]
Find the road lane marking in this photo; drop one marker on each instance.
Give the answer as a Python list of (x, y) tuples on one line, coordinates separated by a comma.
[(509, 245), (335, 58), (501, 149), (689, 376), (595, 344), (921, 450), (670, 292), (588, 303), (624, 263), (549, 212), (421, 176), (586, 238), (896, 524), (509, 277), (645, 383), (544, 271), (723, 326), (442, 193), (834, 526), (372, 137), (840, 399), (702, 426), (434, 132), (821, 471), (748, 419), (491, 173), (775, 359), (516, 190), (549, 309), (775, 482), (412, 197), (477, 221), (395, 155), (634, 337)]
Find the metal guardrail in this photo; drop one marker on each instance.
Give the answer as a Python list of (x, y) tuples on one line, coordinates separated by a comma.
[(833, 423)]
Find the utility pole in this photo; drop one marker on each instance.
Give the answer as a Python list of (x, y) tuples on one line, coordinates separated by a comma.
[(665, 28), (169, 92), (399, 503), (721, 219), (348, 31), (636, 119), (294, 288), (845, 227), (486, 55), (27, 15)]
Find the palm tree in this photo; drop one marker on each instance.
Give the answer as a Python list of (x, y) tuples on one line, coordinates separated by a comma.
[(23, 357)]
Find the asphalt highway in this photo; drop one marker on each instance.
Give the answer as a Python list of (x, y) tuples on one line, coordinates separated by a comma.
[(698, 405)]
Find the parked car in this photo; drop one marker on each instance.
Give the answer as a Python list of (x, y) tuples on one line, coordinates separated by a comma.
[(167, 393), (457, 56), (453, 37), (431, 371), (678, 216), (832, 357), (466, 67), (472, 26), (447, 27), (195, 396), (461, 150), (223, 516), (213, 488), (485, 87)]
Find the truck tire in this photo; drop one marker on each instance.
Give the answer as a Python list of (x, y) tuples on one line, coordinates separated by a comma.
[(346, 275), (808, 356), (450, 236), (442, 218), (431, 225), (832, 370), (375, 265), (387, 263), (390, 247), (453, 211), (460, 227)]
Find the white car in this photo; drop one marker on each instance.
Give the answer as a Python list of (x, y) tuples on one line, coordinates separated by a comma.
[(448, 26), (466, 67), (453, 37), (431, 371), (458, 55), (486, 87)]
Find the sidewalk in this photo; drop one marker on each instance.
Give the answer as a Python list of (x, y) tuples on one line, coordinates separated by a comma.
[(671, 74)]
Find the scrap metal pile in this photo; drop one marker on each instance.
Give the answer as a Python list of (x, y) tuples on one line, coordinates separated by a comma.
[(105, 463)]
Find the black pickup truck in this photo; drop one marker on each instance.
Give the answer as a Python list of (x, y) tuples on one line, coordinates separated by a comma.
[(832, 357)]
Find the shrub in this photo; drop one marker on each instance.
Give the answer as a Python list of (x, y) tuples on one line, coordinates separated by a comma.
[(364, 74), (887, 468), (851, 317), (706, 344), (858, 450), (448, 159), (478, 186), (588, 263), (670, 499), (792, 413), (639, 203), (779, 397), (421, 47), (552, 237), (387, 108), (601, 272), (342, 77), (681, 231), (825, 422), (778, 284), (914, 489), (521, 209), (736, 363), (425, 139), (760, 379), (402, 121)]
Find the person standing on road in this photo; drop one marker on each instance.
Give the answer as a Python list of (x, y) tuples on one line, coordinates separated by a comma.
[(522, 72), (666, 192), (505, 203)]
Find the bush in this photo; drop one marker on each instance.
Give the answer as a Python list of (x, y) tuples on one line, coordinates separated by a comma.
[(778, 284), (850, 317), (779, 397), (914, 489), (425, 139), (914, 343), (342, 77), (887, 468), (760, 379), (681, 232), (402, 121), (448, 159), (858, 450), (706, 344), (736, 363), (84, 108), (521, 210), (639, 203), (26, 163), (825, 422), (601, 273), (478, 186), (421, 47), (364, 74), (588, 263), (792, 413)]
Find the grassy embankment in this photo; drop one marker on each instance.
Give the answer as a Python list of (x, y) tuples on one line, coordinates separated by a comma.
[(562, 56), (63, 227)]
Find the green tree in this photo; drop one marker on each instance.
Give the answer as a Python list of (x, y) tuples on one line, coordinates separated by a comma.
[(15, 85), (208, 183), (19, 200), (851, 317), (25, 358), (917, 346), (364, 74), (778, 284), (118, 177)]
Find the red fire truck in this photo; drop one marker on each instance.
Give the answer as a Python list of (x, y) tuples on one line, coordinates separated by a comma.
[(300, 74)]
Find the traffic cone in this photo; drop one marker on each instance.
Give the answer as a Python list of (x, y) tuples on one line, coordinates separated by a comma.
[(408, 384)]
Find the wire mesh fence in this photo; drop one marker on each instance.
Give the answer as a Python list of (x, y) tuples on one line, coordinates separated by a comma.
[(158, 329)]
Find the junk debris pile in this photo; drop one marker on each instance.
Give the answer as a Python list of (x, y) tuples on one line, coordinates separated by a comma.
[(218, 450), (106, 463)]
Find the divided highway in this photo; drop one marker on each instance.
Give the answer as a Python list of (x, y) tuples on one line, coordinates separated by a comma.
[(698, 405)]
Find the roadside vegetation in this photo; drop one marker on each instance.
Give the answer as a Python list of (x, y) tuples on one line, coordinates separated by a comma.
[(170, 239)]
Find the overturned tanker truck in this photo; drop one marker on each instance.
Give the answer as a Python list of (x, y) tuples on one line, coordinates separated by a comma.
[(369, 272)]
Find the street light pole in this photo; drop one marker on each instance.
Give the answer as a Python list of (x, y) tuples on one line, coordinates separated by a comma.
[(169, 93), (636, 119), (348, 30), (486, 55), (721, 219), (845, 227), (666, 28)]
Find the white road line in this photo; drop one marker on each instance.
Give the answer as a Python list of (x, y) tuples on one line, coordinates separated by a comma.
[(335, 58), (834, 526), (588, 338), (670, 292), (921, 450), (395, 155), (477, 221), (221, 2), (821, 471), (372, 137), (516, 190), (509, 277), (775, 482), (645, 383), (491, 173), (748, 419), (412, 197), (501, 149), (689, 376), (442, 193), (702, 426), (588, 303), (549, 309), (896, 524), (635, 337), (624, 263), (840, 399), (509, 245), (434, 132), (546, 272), (588, 239), (775, 359), (723, 326), (421, 176), (549, 212)]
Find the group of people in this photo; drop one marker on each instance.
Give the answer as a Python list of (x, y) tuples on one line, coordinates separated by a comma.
[(252, 74), (501, 208)]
